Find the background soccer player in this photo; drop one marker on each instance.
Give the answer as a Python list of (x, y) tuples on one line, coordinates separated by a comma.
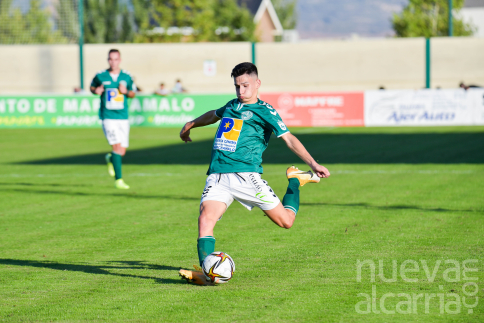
[(235, 167), (114, 86)]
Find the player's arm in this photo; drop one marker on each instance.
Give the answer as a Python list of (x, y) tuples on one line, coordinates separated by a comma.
[(129, 94), (97, 90), (205, 119), (123, 89), (97, 86), (297, 147)]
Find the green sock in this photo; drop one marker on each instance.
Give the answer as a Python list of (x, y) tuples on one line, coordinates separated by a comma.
[(291, 199), (116, 160), (205, 246)]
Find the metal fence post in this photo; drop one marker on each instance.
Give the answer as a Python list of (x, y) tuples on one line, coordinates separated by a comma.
[(427, 63), (451, 22), (253, 53), (81, 42)]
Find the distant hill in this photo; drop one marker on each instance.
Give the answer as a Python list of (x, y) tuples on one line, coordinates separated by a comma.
[(340, 19)]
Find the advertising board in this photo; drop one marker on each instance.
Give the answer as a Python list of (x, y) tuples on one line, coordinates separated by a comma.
[(51, 111), (338, 109), (424, 107)]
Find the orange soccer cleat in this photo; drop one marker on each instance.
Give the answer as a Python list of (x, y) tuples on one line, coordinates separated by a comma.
[(303, 177)]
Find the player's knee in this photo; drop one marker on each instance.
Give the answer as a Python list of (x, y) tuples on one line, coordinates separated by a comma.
[(287, 223)]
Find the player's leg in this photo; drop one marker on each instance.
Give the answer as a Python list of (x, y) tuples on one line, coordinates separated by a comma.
[(282, 217), (284, 213), (210, 213), (117, 159), (117, 134), (215, 201)]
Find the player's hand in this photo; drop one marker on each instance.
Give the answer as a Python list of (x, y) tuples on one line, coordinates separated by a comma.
[(99, 90), (321, 171), (185, 134), (122, 88)]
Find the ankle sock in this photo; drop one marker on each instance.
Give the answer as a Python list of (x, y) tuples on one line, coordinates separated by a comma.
[(205, 246), (116, 160), (291, 199)]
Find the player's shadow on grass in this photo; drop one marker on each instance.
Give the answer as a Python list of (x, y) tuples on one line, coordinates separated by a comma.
[(99, 269), (344, 148), (390, 207), (45, 184), (70, 193)]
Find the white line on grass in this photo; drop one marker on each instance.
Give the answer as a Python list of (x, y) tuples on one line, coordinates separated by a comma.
[(403, 172), (342, 172)]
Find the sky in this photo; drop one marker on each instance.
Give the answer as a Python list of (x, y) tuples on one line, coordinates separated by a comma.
[(344, 18)]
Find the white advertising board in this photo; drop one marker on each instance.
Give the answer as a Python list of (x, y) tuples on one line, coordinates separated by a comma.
[(424, 107), (476, 99)]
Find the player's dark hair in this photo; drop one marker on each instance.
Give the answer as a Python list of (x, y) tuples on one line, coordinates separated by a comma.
[(113, 51), (244, 68)]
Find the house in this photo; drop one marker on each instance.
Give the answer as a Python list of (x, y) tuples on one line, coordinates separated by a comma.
[(473, 12), (265, 18)]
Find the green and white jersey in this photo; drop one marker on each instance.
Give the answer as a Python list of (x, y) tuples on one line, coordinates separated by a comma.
[(243, 135), (114, 105)]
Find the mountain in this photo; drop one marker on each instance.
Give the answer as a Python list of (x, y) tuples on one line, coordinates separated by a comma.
[(344, 18)]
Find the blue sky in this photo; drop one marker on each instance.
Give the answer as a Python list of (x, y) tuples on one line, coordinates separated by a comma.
[(342, 18)]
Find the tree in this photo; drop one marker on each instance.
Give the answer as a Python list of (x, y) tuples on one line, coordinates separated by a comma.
[(32, 27), (67, 19), (286, 11), (429, 18), (178, 20), (114, 21), (196, 21), (232, 22)]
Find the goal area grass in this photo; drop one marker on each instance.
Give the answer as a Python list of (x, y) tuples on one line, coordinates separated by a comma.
[(394, 235)]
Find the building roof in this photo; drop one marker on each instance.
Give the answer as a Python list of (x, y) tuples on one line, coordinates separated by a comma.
[(252, 5), (474, 4), (257, 8)]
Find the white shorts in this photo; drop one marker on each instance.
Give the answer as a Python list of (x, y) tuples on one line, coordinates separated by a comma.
[(116, 131), (249, 189)]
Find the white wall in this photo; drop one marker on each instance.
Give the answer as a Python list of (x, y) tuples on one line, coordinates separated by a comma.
[(306, 66), (457, 59), (342, 65)]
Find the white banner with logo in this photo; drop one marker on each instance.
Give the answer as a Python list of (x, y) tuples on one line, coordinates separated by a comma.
[(424, 107)]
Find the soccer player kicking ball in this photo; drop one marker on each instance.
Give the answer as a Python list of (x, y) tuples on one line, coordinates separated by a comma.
[(114, 86), (234, 172)]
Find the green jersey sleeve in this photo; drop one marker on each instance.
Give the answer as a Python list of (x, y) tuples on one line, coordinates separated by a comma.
[(273, 121), (130, 84), (96, 81)]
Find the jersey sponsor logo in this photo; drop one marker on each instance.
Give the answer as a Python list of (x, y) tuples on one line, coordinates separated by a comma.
[(228, 134), (281, 125), (114, 99), (247, 115)]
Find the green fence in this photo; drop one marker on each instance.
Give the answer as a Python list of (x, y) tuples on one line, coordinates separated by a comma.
[(82, 110)]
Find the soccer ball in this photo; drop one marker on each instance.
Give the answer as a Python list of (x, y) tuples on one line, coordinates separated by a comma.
[(218, 267)]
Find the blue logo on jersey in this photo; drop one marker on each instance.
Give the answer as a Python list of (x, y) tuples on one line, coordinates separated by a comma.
[(228, 134), (114, 95), (114, 99), (226, 125)]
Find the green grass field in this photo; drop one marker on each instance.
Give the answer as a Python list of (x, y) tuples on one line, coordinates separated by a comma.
[(72, 248)]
